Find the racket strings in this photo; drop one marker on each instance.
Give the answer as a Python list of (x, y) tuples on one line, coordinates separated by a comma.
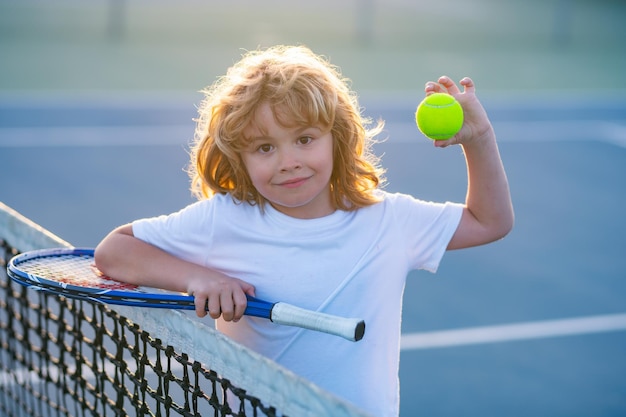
[(74, 270)]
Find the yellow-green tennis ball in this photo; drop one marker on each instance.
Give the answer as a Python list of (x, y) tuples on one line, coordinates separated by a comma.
[(439, 116)]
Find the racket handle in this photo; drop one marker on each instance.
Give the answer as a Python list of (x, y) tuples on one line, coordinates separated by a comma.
[(289, 315)]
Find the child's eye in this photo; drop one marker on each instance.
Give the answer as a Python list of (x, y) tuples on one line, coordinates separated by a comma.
[(265, 148), (305, 140)]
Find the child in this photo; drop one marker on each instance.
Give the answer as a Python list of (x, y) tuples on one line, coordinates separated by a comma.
[(290, 209)]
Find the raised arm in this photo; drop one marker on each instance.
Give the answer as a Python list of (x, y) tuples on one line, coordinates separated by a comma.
[(488, 213), (122, 256)]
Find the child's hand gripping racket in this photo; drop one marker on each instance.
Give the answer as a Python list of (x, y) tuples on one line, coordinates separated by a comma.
[(72, 273)]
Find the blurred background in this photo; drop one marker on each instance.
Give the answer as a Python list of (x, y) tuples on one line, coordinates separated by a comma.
[(391, 45), (97, 101)]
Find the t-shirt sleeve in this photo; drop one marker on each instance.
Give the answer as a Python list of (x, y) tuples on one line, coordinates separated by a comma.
[(427, 228), (185, 234)]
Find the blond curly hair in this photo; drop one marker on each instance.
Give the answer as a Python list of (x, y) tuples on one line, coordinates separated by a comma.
[(302, 89)]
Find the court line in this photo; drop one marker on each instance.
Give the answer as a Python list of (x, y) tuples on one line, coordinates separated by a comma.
[(95, 136), (513, 332), (610, 132)]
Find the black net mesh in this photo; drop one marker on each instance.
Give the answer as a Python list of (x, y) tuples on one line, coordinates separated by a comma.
[(61, 357)]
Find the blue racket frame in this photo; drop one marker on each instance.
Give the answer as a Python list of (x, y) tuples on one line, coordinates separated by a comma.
[(138, 298), (352, 329)]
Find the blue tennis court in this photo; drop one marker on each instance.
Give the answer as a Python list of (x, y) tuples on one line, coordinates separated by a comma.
[(532, 325)]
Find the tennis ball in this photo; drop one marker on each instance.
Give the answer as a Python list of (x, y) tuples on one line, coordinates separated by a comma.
[(439, 116)]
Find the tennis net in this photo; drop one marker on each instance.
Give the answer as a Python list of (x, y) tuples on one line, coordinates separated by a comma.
[(62, 357)]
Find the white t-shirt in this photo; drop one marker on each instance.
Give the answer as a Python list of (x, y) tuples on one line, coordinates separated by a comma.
[(351, 264)]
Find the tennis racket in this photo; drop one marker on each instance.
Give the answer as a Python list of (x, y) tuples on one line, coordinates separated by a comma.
[(71, 272)]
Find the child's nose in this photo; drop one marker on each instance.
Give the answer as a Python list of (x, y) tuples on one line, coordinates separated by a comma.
[(289, 160)]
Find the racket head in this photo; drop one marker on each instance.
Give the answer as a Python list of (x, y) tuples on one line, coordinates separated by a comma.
[(71, 272), (66, 269)]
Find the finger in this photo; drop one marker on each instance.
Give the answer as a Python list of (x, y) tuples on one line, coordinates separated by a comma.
[(200, 304), (214, 306), (468, 85), (444, 143), (454, 140), (227, 306), (241, 302), (248, 288), (432, 88), (449, 85)]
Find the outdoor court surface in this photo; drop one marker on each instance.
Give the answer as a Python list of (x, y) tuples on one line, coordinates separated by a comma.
[(534, 325)]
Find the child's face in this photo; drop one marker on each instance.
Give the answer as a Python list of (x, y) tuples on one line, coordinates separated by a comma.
[(290, 166)]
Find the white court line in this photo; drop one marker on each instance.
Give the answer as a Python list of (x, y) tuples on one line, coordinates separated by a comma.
[(613, 133), (511, 332), (95, 136), (443, 339), (566, 130)]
